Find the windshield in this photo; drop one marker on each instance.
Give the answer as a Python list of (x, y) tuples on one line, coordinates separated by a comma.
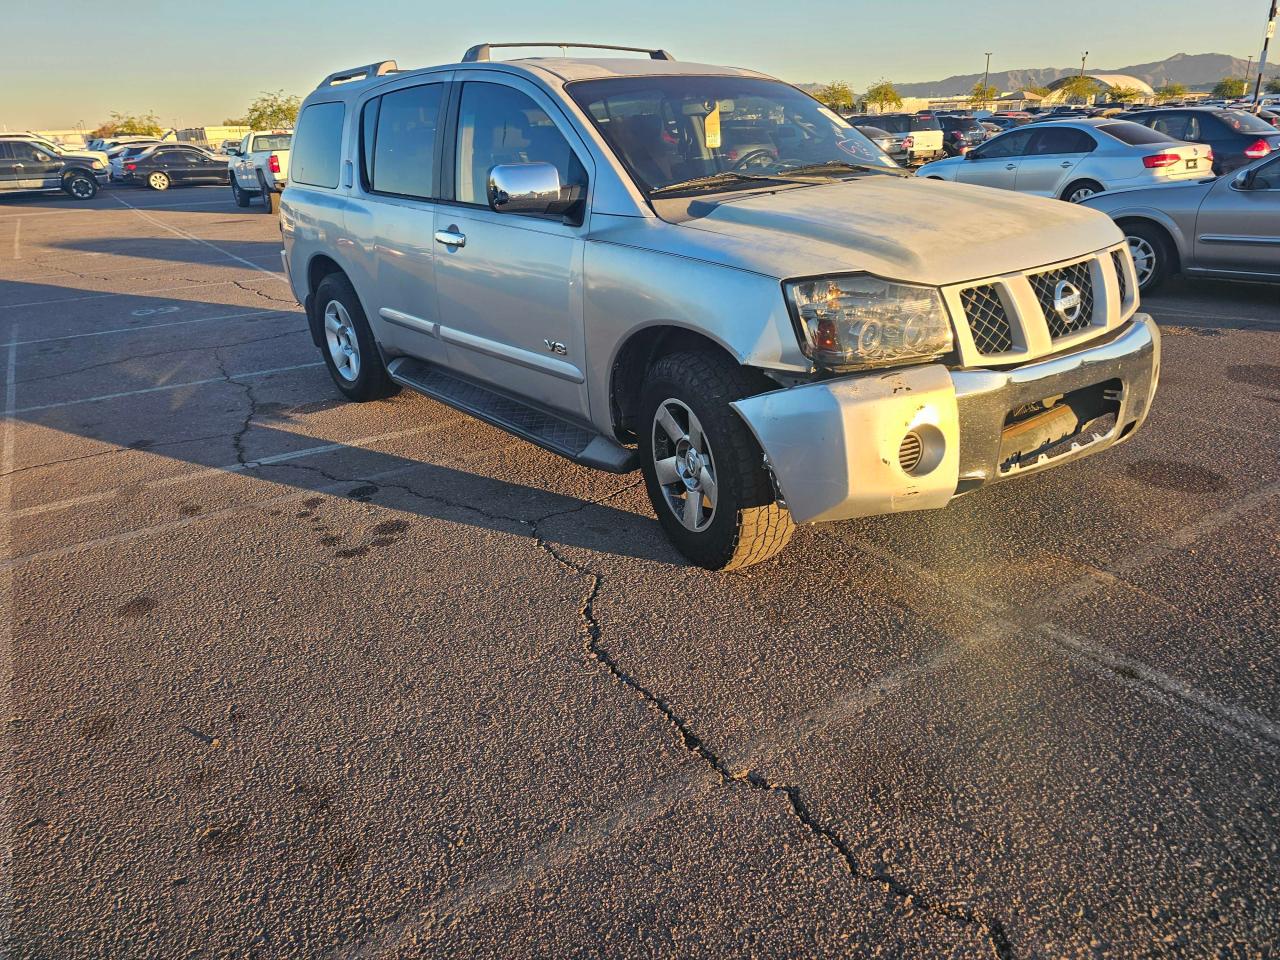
[(670, 130), (276, 141)]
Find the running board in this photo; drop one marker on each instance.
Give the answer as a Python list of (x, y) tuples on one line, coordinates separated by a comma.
[(529, 423)]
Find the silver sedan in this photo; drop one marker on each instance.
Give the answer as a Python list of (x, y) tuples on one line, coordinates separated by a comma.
[(1074, 159), (1229, 227)]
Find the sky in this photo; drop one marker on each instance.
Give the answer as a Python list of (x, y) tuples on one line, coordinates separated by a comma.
[(195, 65)]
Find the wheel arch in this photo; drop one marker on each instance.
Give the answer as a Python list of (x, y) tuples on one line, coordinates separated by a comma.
[(1174, 238), (320, 266)]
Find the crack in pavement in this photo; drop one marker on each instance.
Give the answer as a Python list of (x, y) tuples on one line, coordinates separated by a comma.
[(237, 438), (266, 296)]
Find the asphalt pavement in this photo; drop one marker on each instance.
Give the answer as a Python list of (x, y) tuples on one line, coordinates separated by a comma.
[(290, 676)]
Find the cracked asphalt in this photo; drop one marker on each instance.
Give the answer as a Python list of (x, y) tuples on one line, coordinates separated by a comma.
[(288, 676)]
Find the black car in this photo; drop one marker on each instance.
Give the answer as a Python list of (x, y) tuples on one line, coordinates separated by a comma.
[(1236, 138), (960, 134), (174, 164)]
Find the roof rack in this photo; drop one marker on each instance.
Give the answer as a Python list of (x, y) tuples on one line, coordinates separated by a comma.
[(481, 50), (360, 73)]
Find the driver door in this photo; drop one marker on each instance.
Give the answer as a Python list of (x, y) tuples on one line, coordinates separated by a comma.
[(996, 162), (1238, 229), (509, 286)]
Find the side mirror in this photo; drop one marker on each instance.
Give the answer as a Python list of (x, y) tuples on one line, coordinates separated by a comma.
[(1244, 179), (971, 155), (526, 188), (233, 151)]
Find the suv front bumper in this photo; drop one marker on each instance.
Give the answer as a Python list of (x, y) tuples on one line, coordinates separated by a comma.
[(844, 447)]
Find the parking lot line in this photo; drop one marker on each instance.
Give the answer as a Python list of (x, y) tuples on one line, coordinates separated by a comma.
[(7, 582), (194, 239), (17, 234), (168, 386), (148, 326)]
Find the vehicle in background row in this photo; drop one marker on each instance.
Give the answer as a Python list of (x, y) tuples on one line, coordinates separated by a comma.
[(1228, 227), (960, 134), (924, 129), (896, 145), (260, 166), (176, 165), (120, 169), (1236, 138), (106, 144), (65, 153), (134, 146), (1007, 121), (563, 248), (1074, 159), (29, 166)]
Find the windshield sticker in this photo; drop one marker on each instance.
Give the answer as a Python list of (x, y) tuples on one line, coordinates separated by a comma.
[(712, 123)]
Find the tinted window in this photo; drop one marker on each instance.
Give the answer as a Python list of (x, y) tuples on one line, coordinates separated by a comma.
[(404, 145), (498, 124), (891, 124), (273, 141), (1060, 140), (1173, 125), (4, 151), (925, 123), (1006, 145), (317, 145), (22, 152), (1240, 122), (1133, 133)]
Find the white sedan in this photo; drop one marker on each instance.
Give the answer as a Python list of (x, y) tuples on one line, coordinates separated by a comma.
[(1074, 159)]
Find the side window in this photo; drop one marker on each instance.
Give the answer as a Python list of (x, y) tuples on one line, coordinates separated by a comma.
[(5, 153), (1006, 145), (498, 124), (404, 144), (1059, 140), (317, 145), (1193, 128), (1174, 125), (23, 152), (368, 134), (244, 145)]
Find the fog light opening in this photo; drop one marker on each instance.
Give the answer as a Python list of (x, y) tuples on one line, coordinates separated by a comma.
[(921, 450)]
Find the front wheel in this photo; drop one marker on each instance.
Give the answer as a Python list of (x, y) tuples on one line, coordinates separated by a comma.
[(158, 180), (703, 470), (1152, 255), (81, 186)]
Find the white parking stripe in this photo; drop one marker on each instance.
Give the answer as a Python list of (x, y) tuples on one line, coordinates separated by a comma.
[(17, 242), (168, 386), (149, 326), (8, 579), (194, 239)]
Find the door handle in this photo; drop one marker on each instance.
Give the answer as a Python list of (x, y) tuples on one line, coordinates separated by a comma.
[(451, 237), (1011, 166), (1065, 164)]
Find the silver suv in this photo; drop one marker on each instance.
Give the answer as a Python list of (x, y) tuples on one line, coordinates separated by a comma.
[(703, 272)]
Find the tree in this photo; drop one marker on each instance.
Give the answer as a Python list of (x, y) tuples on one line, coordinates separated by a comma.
[(882, 96), (1273, 85), (1125, 94), (980, 94), (236, 122), (1228, 88), (1079, 89), (837, 95), (1170, 91), (273, 110), (123, 124)]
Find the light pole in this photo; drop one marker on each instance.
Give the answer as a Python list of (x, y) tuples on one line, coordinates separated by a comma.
[(1083, 57), (1248, 72), (1262, 60), (985, 74)]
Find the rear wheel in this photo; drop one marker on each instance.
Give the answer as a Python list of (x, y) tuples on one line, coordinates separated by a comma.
[(350, 351), (80, 185), (268, 195), (702, 468), (238, 193), (1152, 254), (158, 180), (1081, 190)]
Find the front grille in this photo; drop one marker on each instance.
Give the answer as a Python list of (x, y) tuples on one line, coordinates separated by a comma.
[(988, 321), (910, 450), (1122, 273), (1045, 286)]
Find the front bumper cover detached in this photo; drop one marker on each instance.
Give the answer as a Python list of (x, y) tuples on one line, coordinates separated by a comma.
[(835, 447)]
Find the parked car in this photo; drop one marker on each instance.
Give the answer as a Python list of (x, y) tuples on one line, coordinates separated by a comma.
[(1236, 138), (1228, 227), (897, 146), (923, 128), (176, 165), (65, 153), (1074, 159), (1007, 121), (960, 134), (30, 166), (260, 166), (133, 144), (807, 338), (120, 169)]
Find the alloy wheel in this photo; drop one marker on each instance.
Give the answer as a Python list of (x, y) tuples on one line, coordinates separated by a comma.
[(684, 465), (340, 335), (1081, 193), (81, 188), (1144, 259)]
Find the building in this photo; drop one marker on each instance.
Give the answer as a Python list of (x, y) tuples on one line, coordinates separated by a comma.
[(211, 136)]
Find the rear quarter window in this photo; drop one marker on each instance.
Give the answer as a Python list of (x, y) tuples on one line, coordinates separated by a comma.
[(317, 145), (1134, 134)]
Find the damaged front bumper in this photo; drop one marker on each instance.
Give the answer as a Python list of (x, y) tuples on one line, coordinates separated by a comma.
[(916, 437)]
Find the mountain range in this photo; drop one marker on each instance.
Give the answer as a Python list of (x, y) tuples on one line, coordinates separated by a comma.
[(1199, 71)]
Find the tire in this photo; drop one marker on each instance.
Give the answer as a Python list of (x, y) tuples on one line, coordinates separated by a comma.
[(737, 520), (1153, 257), (238, 193), (345, 334), (80, 185), (1080, 190), (268, 195), (158, 180)]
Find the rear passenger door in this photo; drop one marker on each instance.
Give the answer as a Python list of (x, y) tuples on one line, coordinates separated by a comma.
[(510, 290), (1052, 155), (995, 163), (8, 168)]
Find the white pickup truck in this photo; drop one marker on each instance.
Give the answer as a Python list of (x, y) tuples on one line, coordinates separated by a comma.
[(260, 166)]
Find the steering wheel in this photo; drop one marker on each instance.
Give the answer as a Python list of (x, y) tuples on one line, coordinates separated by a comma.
[(753, 157)]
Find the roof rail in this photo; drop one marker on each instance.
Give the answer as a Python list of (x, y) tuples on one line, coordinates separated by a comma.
[(481, 50), (360, 73)]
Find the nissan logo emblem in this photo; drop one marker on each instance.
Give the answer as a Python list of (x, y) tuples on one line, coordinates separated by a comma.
[(1067, 301)]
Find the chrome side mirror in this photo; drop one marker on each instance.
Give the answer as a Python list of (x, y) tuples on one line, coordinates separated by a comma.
[(526, 188)]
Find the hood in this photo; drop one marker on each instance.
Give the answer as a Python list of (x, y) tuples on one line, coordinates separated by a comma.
[(914, 230), (98, 155)]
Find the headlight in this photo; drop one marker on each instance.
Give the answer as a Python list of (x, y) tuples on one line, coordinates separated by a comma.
[(95, 164), (863, 321)]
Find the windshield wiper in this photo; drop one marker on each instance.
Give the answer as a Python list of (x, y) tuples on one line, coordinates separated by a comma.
[(717, 179), (813, 169)]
